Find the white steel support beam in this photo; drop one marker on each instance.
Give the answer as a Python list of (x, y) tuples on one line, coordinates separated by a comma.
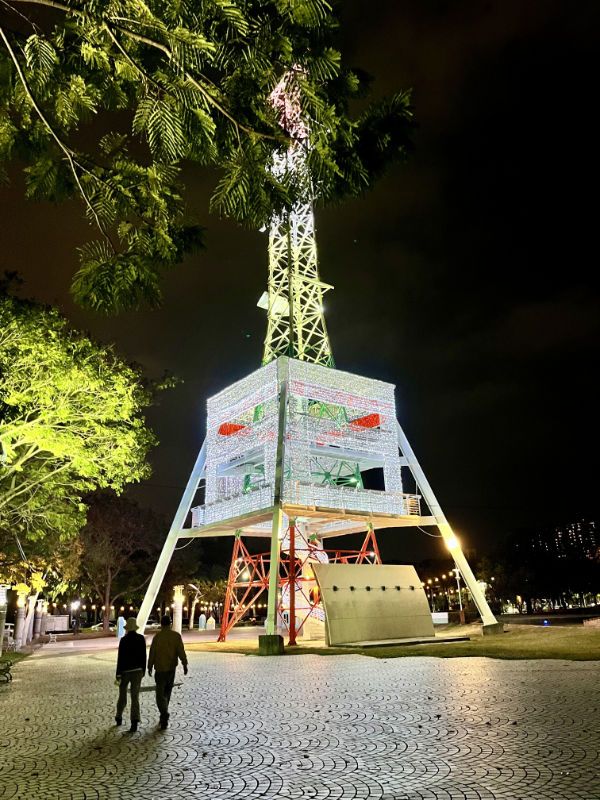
[(446, 531), (169, 546), (271, 621)]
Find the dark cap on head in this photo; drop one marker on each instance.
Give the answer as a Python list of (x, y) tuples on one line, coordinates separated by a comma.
[(166, 621)]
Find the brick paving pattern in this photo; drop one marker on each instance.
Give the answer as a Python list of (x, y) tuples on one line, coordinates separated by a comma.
[(306, 727)]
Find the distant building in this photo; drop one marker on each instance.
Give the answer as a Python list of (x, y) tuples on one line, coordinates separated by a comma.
[(576, 540)]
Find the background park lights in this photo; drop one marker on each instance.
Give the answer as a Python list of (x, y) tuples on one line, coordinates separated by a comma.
[(22, 590), (178, 594)]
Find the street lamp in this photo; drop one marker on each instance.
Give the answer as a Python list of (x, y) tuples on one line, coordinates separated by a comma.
[(75, 606), (460, 605), (178, 598)]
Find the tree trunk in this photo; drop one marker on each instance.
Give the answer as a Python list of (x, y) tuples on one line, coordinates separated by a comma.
[(28, 632), (2, 623), (106, 612), (192, 612)]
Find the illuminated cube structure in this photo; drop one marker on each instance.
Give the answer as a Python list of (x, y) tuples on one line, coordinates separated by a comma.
[(300, 437), (336, 427)]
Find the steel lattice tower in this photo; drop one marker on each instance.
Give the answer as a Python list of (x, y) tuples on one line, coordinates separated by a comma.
[(287, 446), (294, 300)]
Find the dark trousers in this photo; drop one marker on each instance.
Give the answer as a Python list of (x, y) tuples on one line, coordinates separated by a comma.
[(164, 686), (133, 679)]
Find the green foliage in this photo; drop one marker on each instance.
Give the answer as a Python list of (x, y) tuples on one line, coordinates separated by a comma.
[(211, 591), (41, 59), (166, 135), (52, 555), (71, 421), (178, 81)]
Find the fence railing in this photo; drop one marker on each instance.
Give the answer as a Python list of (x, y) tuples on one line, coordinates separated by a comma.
[(351, 499), (233, 506)]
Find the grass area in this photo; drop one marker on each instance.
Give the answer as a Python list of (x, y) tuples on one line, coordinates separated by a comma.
[(569, 642), (12, 657), (90, 634)]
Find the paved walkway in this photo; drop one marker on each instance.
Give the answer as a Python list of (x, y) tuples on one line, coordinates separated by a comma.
[(306, 727)]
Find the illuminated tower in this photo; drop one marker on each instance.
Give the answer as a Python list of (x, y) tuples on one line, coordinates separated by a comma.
[(294, 298), (288, 447)]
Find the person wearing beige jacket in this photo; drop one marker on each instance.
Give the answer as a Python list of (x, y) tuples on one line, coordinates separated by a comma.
[(165, 651)]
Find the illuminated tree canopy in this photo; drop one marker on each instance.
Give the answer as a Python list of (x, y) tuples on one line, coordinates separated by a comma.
[(106, 100), (71, 421)]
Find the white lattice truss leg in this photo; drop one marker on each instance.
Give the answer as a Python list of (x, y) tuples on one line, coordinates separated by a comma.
[(171, 540), (450, 540)]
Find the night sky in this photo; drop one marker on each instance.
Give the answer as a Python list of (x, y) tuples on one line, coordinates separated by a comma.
[(468, 278)]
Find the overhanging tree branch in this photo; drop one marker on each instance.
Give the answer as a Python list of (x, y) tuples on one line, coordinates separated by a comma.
[(69, 154), (170, 55), (9, 497)]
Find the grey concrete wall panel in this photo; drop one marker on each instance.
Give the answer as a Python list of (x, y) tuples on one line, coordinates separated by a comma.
[(359, 609)]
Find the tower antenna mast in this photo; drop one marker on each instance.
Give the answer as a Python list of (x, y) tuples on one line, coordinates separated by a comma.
[(294, 297)]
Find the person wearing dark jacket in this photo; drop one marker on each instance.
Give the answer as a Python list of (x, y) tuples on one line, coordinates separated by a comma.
[(131, 667), (165, 651)]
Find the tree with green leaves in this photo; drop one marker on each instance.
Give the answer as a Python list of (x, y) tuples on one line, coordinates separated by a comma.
[(50, 566), (106, 100), (120, 543), (71, 421), (53, 556), (204, 591)]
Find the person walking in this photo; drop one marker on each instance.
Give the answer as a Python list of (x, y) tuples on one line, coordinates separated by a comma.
[(131, 666), (166, 649)]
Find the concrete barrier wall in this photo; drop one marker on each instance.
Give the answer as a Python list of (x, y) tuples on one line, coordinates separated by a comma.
[(372, 602)]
